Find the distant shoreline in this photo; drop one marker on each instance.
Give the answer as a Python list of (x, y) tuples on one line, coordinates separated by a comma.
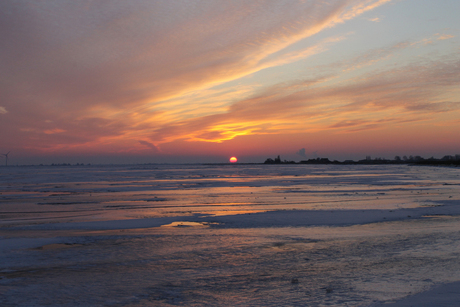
[(445, 161), (452, 162)]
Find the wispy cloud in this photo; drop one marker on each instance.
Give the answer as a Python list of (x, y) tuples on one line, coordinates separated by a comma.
[(385, 97), (134, 76), (375, 19), (372, 56), (101, 63), (150, 145), (444, 36), (53, 131)]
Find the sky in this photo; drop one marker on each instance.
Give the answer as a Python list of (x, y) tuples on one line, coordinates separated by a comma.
[(185, 81)]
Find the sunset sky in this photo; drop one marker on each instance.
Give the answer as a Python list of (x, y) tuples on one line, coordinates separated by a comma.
[(203, 80)]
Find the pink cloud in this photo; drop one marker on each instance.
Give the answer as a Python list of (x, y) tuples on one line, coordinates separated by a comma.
[(96, 74)]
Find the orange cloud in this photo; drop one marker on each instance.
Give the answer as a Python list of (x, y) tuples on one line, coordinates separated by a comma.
[(139, 77), (444, 36), (287, 108)]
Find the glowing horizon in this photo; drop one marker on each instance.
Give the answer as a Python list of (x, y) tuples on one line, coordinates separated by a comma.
[(187, 81)]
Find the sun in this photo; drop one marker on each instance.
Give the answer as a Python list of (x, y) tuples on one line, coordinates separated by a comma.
[(233, 159)]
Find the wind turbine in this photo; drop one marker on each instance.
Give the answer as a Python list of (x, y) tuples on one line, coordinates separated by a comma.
[(6, 157)]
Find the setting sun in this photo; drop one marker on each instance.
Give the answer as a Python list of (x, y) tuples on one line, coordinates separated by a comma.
[(243, 86), (233, 159)]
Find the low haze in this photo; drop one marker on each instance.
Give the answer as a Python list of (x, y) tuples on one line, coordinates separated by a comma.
[(202, 81)]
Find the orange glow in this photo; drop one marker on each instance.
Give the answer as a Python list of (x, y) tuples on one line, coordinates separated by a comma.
[(243, 85)]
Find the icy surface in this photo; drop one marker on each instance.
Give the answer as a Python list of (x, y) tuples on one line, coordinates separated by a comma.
[(227, 235)]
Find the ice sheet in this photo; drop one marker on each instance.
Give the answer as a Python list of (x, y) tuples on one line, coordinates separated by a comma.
[(240, 235)]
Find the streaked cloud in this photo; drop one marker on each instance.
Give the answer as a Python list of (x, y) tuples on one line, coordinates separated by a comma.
[(375, 19), (291, 108), (150, 145), (135, 77), (444, 36), (53, 131)]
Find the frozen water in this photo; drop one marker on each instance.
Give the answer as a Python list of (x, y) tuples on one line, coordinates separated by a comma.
[(234, 235)]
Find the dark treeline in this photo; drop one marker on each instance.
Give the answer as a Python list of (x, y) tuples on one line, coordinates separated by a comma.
[(68, 164), (418, 160)]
